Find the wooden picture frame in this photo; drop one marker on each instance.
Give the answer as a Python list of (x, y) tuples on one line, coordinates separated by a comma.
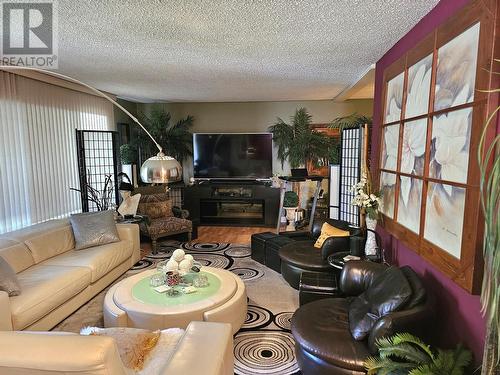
[(420, 183)]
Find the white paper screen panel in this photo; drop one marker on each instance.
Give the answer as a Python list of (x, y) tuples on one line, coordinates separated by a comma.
[(350, 168), (334, 195)]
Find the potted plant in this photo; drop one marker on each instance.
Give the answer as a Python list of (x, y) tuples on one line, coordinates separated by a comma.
[(290, 204), (128, 157), (175, 138), (350, 121), (404, 353), (102, 199), (368, 202), (299, 143)]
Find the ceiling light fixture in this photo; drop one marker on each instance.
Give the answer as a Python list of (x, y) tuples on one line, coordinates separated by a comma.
[(159, 169)]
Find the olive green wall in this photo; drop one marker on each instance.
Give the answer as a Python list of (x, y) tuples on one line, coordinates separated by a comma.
[(250, 117), (257, 116)]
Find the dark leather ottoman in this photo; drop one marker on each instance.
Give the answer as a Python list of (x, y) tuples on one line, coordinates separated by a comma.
[(315, 286), (301, 256), (273, 247), (258, 244)]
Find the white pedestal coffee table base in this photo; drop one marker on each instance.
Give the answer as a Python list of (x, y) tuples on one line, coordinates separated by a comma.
[(227, 305)]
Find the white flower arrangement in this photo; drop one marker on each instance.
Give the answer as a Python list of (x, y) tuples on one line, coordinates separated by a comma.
[(365, 199)]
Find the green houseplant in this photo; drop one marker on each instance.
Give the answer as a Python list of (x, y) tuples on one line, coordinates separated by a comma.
[(297, 142), (404, 353), (175, 138), (290, 204), (128, 154), (350, 121), (291, 199), (345, 122)]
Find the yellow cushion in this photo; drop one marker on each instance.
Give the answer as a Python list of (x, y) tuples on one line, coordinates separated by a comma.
[(328, 230)]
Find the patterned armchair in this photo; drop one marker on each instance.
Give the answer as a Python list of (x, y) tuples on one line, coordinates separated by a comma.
[(161, 219)]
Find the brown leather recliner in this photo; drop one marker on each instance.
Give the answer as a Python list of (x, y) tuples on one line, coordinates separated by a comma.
[(323, 332)]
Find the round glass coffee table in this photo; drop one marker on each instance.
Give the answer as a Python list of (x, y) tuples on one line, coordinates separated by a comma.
[(132, 302)]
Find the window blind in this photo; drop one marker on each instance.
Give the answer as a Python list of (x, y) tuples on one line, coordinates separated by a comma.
[(38, 158)]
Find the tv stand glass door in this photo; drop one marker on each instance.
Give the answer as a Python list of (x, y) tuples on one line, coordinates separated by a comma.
[(230, 211)]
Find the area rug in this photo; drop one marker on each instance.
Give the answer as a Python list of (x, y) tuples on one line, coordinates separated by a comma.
[(264, 345)]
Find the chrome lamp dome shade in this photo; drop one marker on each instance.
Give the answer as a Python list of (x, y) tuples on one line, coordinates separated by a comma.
[(161, 169)]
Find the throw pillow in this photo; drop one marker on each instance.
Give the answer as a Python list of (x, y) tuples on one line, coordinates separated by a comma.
[(8, 279), (418, 295), (94, 229), (387, 293), (155, 210), (327, 231), (134, 345)]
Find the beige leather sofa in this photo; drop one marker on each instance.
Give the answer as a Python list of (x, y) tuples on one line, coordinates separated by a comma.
[(205, 348), (55, 279)]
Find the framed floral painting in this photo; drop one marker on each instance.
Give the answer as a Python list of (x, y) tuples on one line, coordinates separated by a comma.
[(431, 121)]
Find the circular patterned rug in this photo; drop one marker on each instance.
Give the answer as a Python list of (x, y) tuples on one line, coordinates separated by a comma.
[(283, 320), (257, 317), (247, 274), (205, 246), (264, 344), (264, 352), (238, 252)]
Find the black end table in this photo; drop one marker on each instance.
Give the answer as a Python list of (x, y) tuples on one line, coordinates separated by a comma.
[(314, 286), (337, 260)]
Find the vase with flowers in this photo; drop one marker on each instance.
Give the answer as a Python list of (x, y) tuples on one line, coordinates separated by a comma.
[(368, 202)]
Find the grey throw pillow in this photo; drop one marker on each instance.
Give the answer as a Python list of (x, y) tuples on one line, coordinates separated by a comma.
[(8, 279), (94, 229)]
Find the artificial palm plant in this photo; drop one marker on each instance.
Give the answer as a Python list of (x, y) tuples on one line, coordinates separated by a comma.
[(489, 166), (297, 142), (350, 121), (175, 138), (404, 353)]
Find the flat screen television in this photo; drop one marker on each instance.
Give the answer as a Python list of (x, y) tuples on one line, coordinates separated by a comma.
[(233, 155)]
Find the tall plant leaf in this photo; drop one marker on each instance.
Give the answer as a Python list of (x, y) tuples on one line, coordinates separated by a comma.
[(351, 121), (174, 138), (405, 353), (489, 167), (297, 142)]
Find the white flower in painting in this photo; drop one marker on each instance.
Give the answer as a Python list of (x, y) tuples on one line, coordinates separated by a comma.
[(414, 136), (394, 98), (450, 133), (394, 112), (417, 101), (387, 179), (391, 139)]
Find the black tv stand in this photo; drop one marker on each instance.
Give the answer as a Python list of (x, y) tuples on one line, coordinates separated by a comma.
[(232, 181), (233, 202)]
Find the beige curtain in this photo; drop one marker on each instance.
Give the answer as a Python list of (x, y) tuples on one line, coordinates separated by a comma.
[(38, 161)]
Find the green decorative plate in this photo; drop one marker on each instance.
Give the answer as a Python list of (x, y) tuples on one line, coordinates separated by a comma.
[(144, 293)]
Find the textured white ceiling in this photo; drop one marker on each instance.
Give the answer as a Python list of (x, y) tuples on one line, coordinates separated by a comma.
[(229, 50)]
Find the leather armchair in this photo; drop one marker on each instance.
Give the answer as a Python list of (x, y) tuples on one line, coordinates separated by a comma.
[(324, 343), (354, 244), (302, 256)]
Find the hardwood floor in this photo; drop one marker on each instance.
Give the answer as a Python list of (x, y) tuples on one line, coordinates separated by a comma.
[(238, 235)]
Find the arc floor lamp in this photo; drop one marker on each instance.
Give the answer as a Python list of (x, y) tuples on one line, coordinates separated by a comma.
[(157, 169)]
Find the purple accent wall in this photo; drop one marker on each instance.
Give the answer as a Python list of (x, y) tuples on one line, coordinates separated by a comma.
[(458, 313)]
